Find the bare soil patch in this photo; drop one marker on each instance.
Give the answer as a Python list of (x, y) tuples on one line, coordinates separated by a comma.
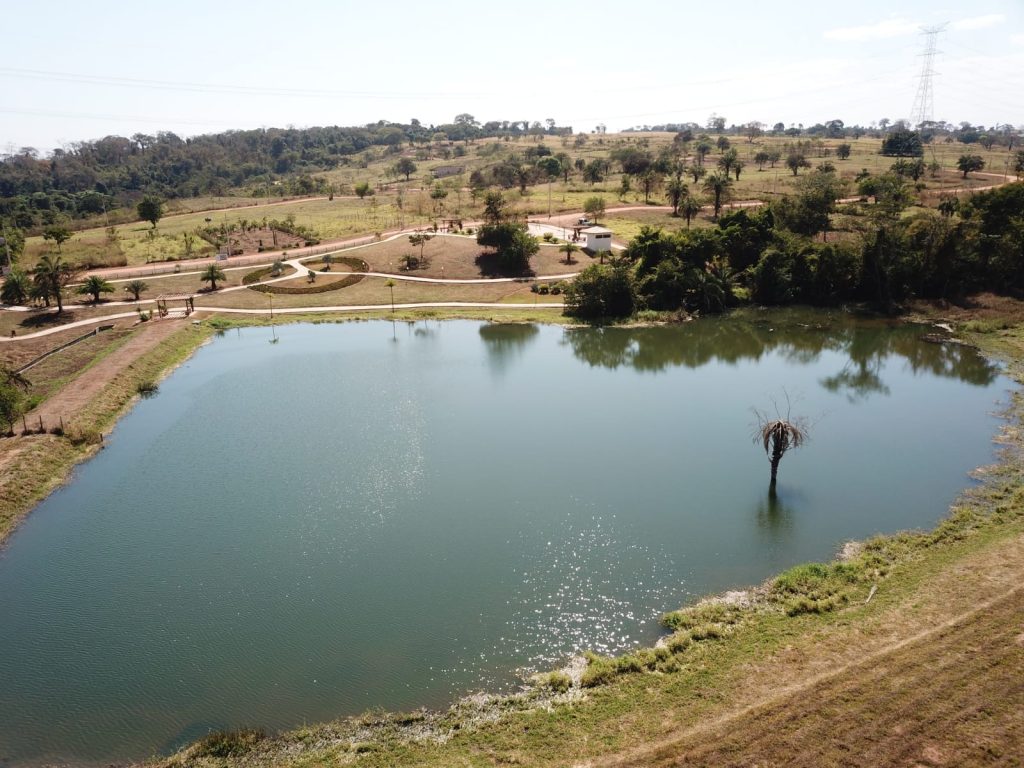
[(455, 258), (262, 239)]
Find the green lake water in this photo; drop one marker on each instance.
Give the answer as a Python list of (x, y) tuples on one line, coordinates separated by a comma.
[(376, 515)]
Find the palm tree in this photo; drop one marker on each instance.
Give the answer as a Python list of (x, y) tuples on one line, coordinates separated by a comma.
[(94, 286), (690, 208), (718, 185), (568, 249), (777, 436), (136, 288), (328, 260), (51, 275), (211, 275), (17, 288), (677, 192), (391, 284)]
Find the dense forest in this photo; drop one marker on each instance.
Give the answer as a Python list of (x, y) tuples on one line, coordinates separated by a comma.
[(778, 255), (89, 177)]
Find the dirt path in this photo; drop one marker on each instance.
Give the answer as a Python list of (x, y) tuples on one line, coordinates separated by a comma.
[(76, 394), (949, 693)]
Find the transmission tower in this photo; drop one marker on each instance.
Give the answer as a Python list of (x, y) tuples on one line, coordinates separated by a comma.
[(924, 102)]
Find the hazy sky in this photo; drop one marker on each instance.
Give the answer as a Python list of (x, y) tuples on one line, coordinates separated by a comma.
[(82, 70)]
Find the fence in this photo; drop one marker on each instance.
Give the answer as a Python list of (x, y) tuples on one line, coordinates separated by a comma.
[(65, 345)]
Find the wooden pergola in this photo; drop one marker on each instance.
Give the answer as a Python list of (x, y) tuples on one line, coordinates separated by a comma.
[(187, 298)]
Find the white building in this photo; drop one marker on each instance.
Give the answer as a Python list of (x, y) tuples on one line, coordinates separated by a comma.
[(597, 239)]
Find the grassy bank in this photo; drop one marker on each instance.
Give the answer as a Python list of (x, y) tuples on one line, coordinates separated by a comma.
[(852, 651)]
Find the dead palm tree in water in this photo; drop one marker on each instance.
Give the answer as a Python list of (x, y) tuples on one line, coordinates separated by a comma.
[(779, 435)]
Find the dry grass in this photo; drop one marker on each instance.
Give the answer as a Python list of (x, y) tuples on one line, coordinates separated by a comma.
[(372, 290)]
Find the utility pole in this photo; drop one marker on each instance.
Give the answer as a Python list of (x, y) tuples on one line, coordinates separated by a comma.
[(924, 102)]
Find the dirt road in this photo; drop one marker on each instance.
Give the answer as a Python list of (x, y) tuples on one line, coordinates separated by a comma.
[(76, 394)]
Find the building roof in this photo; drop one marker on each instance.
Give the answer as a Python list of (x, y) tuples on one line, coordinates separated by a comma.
[(595, 231)]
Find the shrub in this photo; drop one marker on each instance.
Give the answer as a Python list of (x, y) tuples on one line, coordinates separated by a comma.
[(599, 671), (557, 681), (222, 744), (147, 388)]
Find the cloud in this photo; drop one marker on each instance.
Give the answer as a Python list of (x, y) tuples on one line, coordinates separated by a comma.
[(1017, 39), (897, 27), (978, 22)]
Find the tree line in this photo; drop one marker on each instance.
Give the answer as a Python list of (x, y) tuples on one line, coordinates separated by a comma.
[(779, 254), (90, 178)]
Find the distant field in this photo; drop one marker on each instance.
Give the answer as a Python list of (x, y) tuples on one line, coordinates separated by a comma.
[(399, 203)]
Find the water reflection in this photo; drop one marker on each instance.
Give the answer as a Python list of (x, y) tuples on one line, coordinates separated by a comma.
[(505, 342), (796, 337), (774, 516)]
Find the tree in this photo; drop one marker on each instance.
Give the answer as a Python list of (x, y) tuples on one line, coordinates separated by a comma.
[(722, 143), (795, 161), (391, 286), (362, 189), (568, 249), (602, 290), (59, 234), (697, 171), (1018, 164), (718, 186), (677, 191), (727, 160), (151, 209), (494, 207), (702, 148), (690, 208), (404, 167), (902, 142), (51, 275), (211, 275), (94, 286), (738, 166), (594, 206), (649, 180), (778, 436), (136, 288), (16, 288), (968, 163), (760, 158), (12, 396), (808, 213), (843, 151), (594, 171), (550, 167), (512, 242), (420, 239)]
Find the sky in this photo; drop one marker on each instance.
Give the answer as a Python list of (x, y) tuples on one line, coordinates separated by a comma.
[(72, 71)]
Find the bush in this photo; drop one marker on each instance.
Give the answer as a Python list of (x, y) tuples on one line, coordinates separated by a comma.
[(222, 744), (147, 388), (601, 291), (557, 681)]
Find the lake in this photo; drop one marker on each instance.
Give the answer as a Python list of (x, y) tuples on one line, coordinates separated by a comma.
[(391, 515)]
